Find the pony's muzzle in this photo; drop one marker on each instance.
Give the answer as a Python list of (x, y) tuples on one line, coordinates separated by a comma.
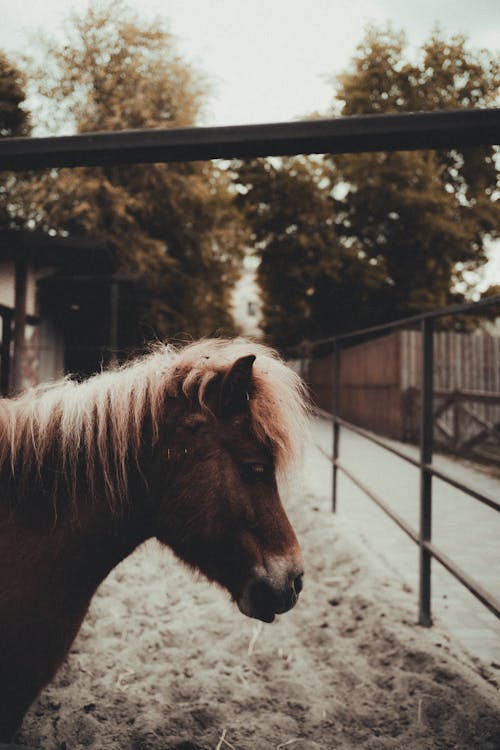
[(268, 594)]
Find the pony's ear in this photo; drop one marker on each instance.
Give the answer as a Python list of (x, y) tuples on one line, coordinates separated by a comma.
[(236, 385)]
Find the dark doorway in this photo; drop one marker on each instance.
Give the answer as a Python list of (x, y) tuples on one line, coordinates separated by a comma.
[(93, 320)]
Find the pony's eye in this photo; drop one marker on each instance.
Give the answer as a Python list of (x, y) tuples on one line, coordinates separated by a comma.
[(256, 472), (258, 469)]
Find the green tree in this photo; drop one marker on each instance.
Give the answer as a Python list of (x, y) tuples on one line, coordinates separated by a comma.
[(425, 215), (175, 224)]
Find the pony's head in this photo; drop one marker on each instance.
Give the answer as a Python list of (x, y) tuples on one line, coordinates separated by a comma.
[(203, 431), (237, 421)]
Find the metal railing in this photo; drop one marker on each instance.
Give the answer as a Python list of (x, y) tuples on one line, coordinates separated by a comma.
[(422, 537), (400, 132)]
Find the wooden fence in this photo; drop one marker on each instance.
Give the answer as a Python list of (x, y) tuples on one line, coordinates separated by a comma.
[(380, 388)]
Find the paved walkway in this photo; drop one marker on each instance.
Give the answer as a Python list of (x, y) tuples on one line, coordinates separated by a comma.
[(466, 530)]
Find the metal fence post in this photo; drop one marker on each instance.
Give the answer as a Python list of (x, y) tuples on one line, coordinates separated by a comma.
[(426, 448), (335, 424)]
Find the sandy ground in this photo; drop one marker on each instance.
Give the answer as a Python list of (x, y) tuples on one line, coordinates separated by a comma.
[(164, 661)]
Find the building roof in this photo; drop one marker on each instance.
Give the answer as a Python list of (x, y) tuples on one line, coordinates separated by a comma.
[(74, 254)]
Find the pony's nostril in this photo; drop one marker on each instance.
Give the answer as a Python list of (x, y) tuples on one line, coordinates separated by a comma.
[(298, 584)]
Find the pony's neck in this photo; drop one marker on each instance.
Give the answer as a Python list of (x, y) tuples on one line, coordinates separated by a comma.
[(90, 552), (101, 536), (106, 533)]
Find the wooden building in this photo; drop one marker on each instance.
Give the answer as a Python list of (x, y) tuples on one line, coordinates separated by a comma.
[(63, 308)]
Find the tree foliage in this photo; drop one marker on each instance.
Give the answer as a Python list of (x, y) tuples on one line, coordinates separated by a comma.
[(14, 122), (307, 276), (354, 240), (116, 70), (174, 224), (424, 215)]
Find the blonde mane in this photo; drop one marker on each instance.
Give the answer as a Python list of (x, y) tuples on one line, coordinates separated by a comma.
[(99, 424)]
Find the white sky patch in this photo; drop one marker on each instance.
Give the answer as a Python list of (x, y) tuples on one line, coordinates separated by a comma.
[(491, 272), (268, 60)]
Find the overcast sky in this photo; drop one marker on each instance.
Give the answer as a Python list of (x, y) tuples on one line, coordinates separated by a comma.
[(269, 59)]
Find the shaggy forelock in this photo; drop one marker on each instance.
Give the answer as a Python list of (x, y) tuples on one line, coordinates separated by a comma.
[(278, 405), (100, 423)]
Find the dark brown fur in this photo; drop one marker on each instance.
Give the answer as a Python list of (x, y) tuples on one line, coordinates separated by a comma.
[(204, 485)]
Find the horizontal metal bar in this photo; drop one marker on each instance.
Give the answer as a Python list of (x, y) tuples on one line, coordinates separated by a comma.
[(378, 441), (382, 505), (467, 307), (395, 132), (414, 462), (325, 453), (463, 487), (319, 412), (475, 588)]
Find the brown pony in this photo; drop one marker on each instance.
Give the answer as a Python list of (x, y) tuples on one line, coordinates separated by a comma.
[(180, 445)]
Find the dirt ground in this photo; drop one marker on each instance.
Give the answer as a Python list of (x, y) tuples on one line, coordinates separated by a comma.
[(164, 661)]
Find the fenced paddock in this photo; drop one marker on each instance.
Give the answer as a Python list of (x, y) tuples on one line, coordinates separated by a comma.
[(347, 669), (428, 130)]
